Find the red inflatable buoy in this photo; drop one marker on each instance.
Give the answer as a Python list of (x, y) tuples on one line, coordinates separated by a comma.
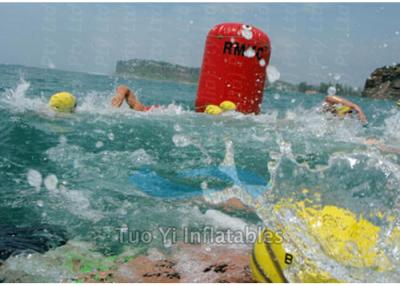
[(234, 67)]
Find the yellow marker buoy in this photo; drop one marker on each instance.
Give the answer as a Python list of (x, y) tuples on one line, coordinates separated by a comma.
[(62, 102), (269, 259), (213, 109), (227, 105)]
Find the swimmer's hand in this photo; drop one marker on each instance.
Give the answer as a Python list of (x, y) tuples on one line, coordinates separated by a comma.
[(361, 115), (118, 99)]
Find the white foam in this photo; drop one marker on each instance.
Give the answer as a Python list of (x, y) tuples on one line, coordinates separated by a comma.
[(140, 157), (181, 140), (223, 220), (79, 204)]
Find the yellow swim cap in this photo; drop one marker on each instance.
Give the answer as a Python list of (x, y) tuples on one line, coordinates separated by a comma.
[(398, 103), (62, 102), (343, 110), (213, 109), (227, 105)]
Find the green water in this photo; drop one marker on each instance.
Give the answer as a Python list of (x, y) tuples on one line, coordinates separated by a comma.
[(90, 155)]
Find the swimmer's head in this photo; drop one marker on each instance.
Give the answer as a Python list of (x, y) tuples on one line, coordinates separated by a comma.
[(62, 102), (227, 105), (213, 109)]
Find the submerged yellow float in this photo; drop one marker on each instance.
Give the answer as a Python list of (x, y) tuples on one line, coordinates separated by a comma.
[(350, 241)]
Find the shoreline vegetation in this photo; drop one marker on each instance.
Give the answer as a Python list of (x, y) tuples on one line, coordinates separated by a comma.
[(164, 71)]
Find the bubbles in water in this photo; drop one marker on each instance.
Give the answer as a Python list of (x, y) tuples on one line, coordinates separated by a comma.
[(337, 77), (249, 53), (141, 157), (34, 179), (397, 33), (181, 140), (385, 45), (62, 140), (277, 96), (51, 182), (204, 185), (99, 144), (111, 136), (177, 128), (40, 203), (332, 90), (273, 74)]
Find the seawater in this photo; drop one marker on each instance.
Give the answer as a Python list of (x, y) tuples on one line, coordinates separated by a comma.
[(70, 174)]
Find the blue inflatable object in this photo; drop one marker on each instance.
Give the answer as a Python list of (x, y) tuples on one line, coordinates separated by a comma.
[(153, 184), (149, 182)]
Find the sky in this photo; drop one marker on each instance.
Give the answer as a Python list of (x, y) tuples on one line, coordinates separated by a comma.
[(310, 42)]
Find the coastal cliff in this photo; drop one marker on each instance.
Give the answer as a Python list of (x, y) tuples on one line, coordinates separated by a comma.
[(383, 83), (157, 70)]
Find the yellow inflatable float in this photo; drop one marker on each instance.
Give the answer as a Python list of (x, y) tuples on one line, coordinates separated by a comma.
[(223, 107), (333, 234)]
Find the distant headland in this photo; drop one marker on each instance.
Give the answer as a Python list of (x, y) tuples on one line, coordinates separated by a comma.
[(383, 83)]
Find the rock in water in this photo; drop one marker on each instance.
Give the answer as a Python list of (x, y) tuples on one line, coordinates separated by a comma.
[(187, 263), (384, 83), (15, 240)]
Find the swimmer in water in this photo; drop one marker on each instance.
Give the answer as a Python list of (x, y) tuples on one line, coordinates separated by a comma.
[(124, 93), (66, 102), (384, 148), (342, 107)]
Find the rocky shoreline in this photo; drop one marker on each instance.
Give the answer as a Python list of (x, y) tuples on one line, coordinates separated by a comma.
[(186, 263), (384, 83)]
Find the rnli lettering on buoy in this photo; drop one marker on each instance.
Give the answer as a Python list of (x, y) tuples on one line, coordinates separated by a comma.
[(239, 49), (234, 67)]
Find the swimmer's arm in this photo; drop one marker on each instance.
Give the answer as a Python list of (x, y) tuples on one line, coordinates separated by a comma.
[(123, 92), (382, 146), (361, 115), (134, 103), (334, 99)]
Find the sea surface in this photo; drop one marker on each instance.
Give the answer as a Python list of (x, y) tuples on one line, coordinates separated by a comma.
[(71, 185)]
